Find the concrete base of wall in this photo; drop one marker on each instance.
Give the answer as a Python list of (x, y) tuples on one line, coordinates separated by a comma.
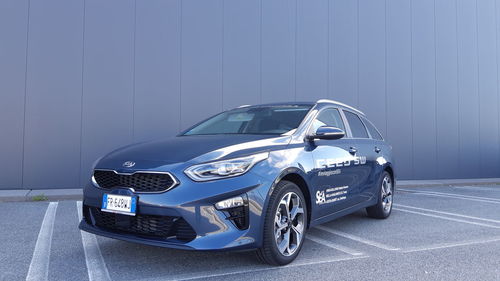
[(40, 195)]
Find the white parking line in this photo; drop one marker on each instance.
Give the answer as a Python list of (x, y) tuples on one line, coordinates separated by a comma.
[(357, 238), (332, 245), (207, 275), (477, 188), (447, 218), (39, 266), (447, 213), (451, 245), (454, 196), (96, 267)]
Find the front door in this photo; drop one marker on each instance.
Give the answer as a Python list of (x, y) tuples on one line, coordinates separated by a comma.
[(336, 175)]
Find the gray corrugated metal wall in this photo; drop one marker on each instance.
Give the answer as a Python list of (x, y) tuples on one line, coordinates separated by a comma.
[(79, 78)]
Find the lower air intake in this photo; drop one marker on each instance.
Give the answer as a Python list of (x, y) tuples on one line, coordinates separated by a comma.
[(148, 226)]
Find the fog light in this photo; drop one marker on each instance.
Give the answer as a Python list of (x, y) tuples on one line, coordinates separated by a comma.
[(230, 203), (236, 210)]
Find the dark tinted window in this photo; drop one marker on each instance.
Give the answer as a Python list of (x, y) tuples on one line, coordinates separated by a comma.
[(357, 128), (328, 117), (373, 131), (253, 120)]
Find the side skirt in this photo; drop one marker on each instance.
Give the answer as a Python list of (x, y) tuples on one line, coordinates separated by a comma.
[(344, 212)]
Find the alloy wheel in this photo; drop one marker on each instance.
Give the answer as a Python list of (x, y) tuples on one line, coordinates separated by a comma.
[(289, 224), (387, 194)]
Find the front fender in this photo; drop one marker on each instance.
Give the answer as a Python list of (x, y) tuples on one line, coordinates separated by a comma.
[(288, 172)]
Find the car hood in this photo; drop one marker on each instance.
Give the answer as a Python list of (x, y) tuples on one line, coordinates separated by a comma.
[(200, 148)]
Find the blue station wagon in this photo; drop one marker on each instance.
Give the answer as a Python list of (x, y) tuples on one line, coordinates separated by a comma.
[(251, 178)]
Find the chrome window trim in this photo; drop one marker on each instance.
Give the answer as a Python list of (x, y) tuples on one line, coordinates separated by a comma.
[(176, 182)]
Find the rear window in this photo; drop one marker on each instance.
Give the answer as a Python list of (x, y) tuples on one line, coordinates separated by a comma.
[(358, 130)]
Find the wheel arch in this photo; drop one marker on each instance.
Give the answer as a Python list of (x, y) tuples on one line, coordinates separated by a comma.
[(298, 177), (388, 168)]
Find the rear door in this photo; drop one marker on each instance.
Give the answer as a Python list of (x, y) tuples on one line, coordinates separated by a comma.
[(375, 149), (336, 172), (365, 151)]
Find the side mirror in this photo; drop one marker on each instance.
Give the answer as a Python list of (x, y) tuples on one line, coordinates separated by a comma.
[(327, 133)]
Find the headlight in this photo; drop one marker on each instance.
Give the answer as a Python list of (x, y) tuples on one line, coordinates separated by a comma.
[(224, 169)]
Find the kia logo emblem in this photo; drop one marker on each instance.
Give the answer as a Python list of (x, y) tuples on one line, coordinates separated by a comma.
[(129, 164)]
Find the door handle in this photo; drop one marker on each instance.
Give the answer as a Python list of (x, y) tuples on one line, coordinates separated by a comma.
[(353, 150), (377, 149)]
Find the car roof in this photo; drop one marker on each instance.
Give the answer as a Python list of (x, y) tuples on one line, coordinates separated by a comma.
[(321, 101)]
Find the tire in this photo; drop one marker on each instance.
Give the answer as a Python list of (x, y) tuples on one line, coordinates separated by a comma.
[(277, 220), (383, 208)]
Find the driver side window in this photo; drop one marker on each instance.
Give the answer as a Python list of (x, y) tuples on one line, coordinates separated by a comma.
[(328, 117)]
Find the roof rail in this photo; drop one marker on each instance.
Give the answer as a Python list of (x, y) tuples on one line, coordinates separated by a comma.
[(244, 105), (341, 104)]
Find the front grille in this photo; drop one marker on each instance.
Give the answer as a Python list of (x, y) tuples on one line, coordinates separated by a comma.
[(149, 226), (139, 181)]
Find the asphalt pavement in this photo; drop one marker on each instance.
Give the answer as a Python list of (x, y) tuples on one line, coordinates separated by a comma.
[(434, 233)]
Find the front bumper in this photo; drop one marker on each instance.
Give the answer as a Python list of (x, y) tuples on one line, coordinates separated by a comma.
[(131, 238), (193, 203)]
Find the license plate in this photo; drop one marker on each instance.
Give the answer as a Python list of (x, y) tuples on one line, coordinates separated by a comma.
[(119, 204)]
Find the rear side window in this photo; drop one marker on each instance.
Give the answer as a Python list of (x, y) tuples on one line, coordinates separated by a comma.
[(357, 128), (373, 131), (328, 117)]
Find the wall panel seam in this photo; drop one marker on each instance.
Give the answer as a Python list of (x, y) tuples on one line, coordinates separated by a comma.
[(385, 70), (436, 163), (260, 54), (222, 54), (180, 63), (411, 92), (295, 50), (133, 71), (328, 94), (458, 84), (497, 84), (357, 53), (82, 93), (25, 92), (478, 93)]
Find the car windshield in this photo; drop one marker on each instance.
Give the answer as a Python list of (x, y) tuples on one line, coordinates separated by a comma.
[(268, 120)]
